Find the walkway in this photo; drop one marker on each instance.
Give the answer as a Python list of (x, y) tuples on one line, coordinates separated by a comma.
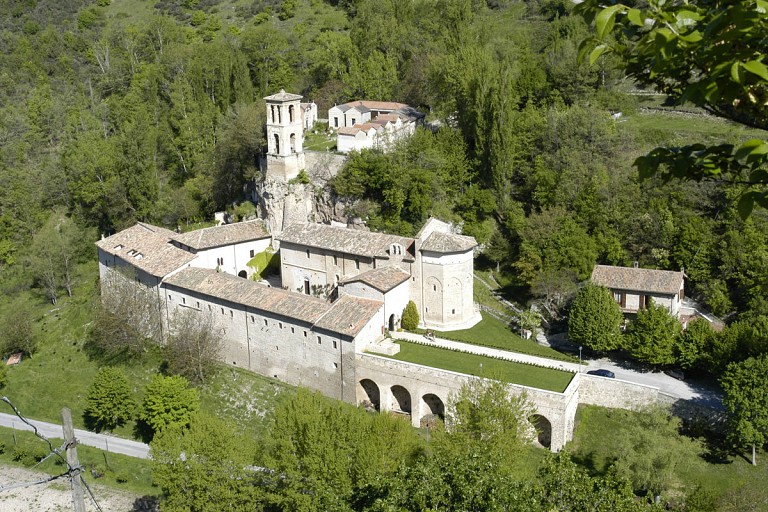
[(488, 351), (105, 442)]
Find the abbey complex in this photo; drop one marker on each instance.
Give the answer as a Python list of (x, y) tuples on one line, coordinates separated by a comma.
[(341, 294)]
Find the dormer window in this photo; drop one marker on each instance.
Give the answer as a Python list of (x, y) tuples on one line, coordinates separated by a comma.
[(396, 249), (119, 247), (138, 256)]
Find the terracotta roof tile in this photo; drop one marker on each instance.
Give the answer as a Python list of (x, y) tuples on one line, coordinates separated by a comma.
[(349, 314), (342, 240), (638, 279), (250, 293), (448, 242), (346, 316), (227, 234), (147, 248), (382, 279)]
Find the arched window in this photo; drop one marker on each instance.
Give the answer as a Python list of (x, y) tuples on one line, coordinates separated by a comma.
[(277, 144), (290, 113), (293, 143), (272, 109), (279, 114)]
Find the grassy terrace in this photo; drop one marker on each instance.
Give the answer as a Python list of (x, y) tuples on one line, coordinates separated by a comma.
[(494, 333), (482, 366)]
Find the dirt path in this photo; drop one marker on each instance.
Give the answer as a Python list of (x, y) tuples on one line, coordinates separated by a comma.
[(54, 496)]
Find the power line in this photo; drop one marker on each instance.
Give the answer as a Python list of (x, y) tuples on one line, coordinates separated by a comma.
[(74, 470)]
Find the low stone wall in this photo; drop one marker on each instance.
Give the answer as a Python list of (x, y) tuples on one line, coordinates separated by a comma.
[(615, 393)]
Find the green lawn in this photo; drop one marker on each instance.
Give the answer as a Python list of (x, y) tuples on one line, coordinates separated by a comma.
[(493, 333), (117, 471), (319, 141), (482, 366)]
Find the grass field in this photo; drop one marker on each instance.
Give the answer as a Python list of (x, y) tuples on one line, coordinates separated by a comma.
[(729, 480), (481, 366), (493, 333), (114, 470)]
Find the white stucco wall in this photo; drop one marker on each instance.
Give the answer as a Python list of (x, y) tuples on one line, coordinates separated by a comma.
[(236, 256)]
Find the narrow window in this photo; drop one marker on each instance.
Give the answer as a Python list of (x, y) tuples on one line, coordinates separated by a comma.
[(353, 121), (335, 122), (305, 334), (280, 324), (198, 304), (231, 314), (335, 366), (453, 311), (334, 343), (252, 253), (169, 297), (266, 322), (183, 300), (357, 264), (222, 311), (434, 287), (253, 319), (307, 253), (335, 261), (292, 330), (209, 307), (319, 341)]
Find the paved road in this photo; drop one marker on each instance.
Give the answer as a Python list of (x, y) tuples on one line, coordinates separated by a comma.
[(105, 442), (700, 392)]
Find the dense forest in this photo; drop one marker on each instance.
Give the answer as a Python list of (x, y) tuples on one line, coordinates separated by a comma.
[(121, 112)]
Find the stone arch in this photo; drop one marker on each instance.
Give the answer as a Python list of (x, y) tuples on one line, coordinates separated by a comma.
[(543, 430), (401, 399), (370, 396), (435, 405), (277, 144), (392, 324), (243, 274), (290, 113), (293, 143)]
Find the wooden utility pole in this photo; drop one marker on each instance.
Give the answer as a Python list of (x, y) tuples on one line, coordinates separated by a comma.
[(72, 460)]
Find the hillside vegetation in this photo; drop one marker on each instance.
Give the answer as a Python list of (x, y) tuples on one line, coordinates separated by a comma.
[(113, 112)]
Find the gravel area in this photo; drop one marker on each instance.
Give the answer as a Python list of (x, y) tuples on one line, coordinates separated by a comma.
[(55, 496)]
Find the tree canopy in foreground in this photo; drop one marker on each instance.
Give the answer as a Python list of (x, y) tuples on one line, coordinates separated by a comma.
[(710, 53)]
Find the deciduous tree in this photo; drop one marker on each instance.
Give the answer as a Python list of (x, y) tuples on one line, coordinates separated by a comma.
[(746, 399), (595, 319), (128, 318), (710, 53), (109, 402), (194, 345), (204, 467), (168, 401), (652, 336)]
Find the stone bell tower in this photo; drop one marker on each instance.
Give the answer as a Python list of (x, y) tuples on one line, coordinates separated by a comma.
[(285, 136)]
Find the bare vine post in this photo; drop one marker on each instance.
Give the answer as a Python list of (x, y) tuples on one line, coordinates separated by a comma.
[(72, 460)]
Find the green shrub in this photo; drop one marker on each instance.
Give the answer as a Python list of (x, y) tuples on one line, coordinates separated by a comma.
[(410, 320)]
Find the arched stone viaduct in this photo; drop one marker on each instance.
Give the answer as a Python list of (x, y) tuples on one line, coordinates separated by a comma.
[(421, 391)]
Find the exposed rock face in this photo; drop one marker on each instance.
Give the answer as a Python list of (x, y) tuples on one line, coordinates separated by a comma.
[(281, 203)]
